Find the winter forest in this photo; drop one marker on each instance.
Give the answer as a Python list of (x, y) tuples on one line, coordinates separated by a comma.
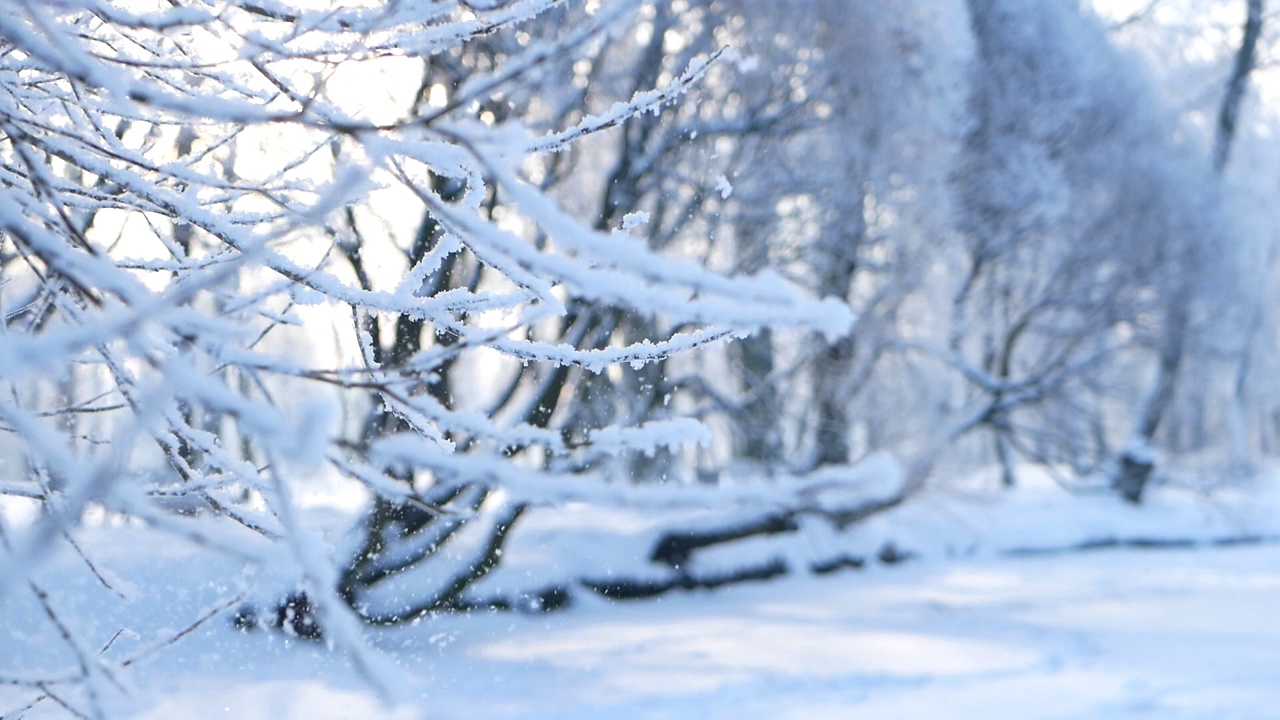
[(674, 358)]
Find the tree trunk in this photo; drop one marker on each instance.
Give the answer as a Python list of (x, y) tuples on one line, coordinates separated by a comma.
[(758, 438), (1136, 462), (834, 422), (1228, 118), (1229, 115)]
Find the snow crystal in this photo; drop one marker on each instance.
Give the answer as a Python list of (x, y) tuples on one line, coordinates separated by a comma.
[(633, 220), (723, 186)]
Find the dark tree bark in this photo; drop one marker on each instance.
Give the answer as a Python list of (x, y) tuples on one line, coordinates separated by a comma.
[(1135, 463), (1237, 84)]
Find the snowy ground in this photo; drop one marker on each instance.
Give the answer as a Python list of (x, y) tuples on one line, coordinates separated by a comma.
[(1127, 633), (1109, 634)]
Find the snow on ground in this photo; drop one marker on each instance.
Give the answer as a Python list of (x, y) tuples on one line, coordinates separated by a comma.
[(1112, 633), (1121, 634)]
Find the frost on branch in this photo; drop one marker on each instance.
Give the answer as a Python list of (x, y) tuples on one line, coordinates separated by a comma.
[(251, 246)]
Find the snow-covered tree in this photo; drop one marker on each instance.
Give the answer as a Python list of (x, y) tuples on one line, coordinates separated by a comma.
[(1087, 230), (233, 242)]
